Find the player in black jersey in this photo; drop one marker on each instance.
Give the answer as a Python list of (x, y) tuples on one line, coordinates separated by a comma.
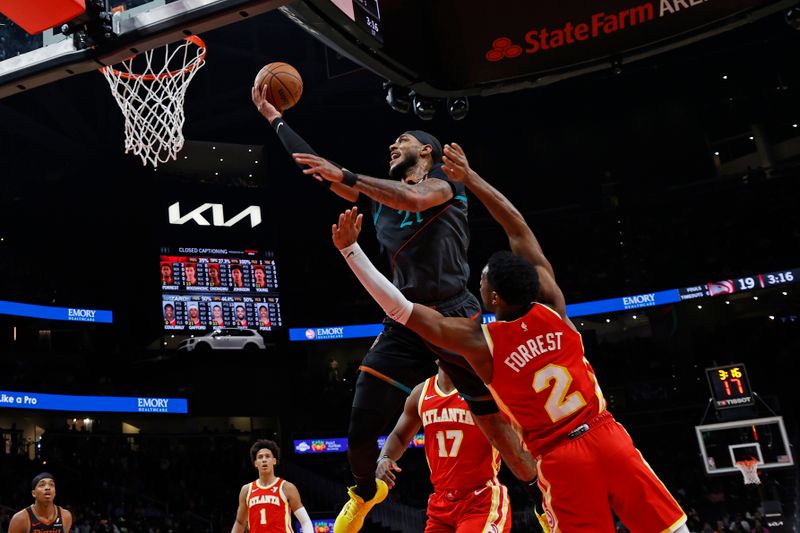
[(43, 516), (421, 223)]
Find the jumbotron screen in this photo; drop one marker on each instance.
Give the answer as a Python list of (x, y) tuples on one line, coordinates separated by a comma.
[(208, 288)]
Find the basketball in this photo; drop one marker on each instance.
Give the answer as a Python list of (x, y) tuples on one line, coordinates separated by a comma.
[(283, 84)]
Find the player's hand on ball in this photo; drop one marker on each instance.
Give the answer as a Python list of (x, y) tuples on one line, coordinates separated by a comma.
[(384, 471), (455, 164), (319, 167), (346, 231), (269, 111)]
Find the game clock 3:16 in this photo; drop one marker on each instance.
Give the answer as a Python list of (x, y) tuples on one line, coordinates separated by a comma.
[(778, 278)]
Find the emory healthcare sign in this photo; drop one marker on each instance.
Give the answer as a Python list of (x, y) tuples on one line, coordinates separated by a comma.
[(92, 404), (72, 314)]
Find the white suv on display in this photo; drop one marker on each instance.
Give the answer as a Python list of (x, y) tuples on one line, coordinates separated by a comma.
[(225, 339)]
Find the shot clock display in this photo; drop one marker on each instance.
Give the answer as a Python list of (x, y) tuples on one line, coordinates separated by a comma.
[(365, 13), (207, 288), (730, 386)]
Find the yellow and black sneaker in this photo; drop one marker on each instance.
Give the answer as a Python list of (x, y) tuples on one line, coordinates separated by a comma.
[(352, 515)]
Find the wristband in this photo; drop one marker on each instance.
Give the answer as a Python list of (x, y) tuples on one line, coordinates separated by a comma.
[(354, 248), (382, 457), (350, 178)]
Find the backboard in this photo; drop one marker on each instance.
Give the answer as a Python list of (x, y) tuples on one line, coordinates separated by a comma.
[(28, 61), (764, 439)]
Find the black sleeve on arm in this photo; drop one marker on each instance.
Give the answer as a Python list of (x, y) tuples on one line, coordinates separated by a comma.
[(293, 143)]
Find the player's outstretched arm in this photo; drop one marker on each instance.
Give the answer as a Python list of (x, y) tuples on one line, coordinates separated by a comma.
[(292, 142), (296, 505), (240, 524), (398, 440), (460, 335), (520, 236), (394, 194)]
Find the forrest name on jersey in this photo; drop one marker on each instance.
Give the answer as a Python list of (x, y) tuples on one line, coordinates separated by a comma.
[(532, 348)]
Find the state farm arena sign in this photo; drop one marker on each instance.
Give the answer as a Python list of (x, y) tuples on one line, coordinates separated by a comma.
[(493, 41)]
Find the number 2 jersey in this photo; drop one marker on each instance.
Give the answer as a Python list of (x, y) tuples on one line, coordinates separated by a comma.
[(541, 379), (268, 508), (459, 455)]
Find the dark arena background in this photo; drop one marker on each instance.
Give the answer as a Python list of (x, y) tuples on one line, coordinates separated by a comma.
[(653, 148)]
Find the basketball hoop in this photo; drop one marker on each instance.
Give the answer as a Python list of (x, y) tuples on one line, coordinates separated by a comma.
[(749, 469), (152, 99)]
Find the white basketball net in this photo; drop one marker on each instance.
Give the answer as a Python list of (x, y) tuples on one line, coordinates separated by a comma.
[(152, 98), (749, 470)]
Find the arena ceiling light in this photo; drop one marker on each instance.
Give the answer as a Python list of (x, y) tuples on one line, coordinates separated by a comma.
[(424, 108), (458, 107), (398, 98)]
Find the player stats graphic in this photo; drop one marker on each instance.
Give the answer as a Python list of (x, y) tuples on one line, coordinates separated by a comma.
[(207, 288)]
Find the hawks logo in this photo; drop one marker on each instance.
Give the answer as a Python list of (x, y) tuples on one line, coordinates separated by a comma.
[(551, 521)]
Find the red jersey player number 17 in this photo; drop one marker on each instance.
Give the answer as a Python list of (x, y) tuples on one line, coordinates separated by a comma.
[(467, 495)]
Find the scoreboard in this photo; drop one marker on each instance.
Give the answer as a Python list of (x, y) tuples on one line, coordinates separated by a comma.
[(747, 283), (207, 288), (730, 386)]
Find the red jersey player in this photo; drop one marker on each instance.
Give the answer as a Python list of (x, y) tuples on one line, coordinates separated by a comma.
[(532, 358), (467, 495), (265, 504)]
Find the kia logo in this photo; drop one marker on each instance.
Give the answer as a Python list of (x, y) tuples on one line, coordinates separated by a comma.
[(217, 215)]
